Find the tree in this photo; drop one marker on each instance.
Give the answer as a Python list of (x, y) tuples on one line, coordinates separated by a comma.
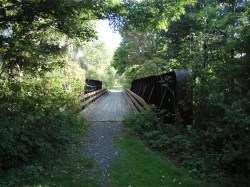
[(211, 39), (31, 30), (37, 77)]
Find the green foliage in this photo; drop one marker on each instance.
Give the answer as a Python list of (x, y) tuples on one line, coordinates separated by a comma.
[(210, 38), (28, 138), (137, 54), (143, 15), (215, 152), (40, 83), (31, 32), (110, 78), (37, 80), (120, 59), (65, 167), (18, 176), (32, 127), (95, 57)]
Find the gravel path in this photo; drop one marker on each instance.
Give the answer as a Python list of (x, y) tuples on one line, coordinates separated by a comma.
[(106, 116), (100, 144)]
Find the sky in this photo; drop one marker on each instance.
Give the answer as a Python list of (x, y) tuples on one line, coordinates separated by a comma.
[(107, 34)]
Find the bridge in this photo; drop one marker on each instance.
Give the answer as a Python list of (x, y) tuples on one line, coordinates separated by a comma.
[(169, 91), (106, 109)]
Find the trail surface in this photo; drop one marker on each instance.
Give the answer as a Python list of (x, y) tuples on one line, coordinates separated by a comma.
[(106, 116)]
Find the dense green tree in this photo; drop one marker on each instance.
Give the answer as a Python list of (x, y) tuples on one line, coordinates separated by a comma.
[(146, 14), (31, 30), (210, 38), (39, 78)]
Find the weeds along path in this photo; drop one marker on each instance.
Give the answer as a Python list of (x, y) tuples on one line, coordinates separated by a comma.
[(106, 116)]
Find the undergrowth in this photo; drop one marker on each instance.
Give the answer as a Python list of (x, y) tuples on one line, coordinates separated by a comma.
[(31, 143), (191, 148)]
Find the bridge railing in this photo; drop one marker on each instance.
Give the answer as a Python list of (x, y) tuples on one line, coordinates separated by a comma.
[(167, 91), (93, 91), (86, 99), (138, 102), (92, 85)]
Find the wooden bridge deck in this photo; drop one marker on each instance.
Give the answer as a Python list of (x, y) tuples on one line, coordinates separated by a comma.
[(113, 107)]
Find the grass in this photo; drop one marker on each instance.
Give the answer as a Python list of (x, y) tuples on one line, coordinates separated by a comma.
[(70, 172), (139, 166), (135, 166)]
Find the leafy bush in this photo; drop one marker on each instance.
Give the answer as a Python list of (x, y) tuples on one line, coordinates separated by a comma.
[(29, 142), (214, 152), (26, 138), (32, 128)]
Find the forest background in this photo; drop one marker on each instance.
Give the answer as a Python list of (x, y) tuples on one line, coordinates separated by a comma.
[(41, 70)]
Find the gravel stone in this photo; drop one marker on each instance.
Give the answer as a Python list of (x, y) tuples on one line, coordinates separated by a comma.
[(106, 115)]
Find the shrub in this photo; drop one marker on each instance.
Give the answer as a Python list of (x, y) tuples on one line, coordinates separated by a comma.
[(219, 150), (31, 125), (24, 138)]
